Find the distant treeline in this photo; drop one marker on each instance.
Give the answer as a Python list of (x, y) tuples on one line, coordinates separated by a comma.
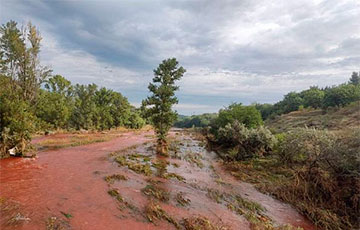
[(202, 120), (314, 97), (32, 99)]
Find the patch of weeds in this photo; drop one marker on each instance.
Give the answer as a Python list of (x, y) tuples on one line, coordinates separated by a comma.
[(194, 158), (249, 205), (67, 215), (220, 181), (153, 212), (133, 163), (115, 193), (176, 165), (140, 168), (122, 203), (173, 175), (10, 212), (215, 195), (181, 200), (112, 178), (54, 223), (121, 160), (153, 181), (202, 223), (137, 156), (156, 192), (18, 218), (161, 166)]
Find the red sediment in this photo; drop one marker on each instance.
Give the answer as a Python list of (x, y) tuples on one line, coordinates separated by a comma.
[(70, 180)]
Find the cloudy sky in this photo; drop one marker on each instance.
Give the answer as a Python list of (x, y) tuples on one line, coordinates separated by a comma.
[(234, 51)]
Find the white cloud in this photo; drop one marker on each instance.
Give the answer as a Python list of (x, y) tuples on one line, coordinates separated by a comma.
[(251, 50)]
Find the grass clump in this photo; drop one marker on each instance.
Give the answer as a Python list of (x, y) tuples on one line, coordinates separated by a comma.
[(133, 164), (54, 223), (174, 175), (161, 166), (112, 178), (181, 200), (202, 223), (115, 193), (136, 156), (153, 212), (215, 195), (140, 168), (194, 158), (156, 192)]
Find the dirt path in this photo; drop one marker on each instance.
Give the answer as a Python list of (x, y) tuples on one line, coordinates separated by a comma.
[(65, 189)]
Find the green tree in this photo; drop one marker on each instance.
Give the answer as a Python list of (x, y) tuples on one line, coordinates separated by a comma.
[(162, 99), (55, 104), (85, 110), (313, 97), (247, 115), (355, 78), (291, 102), (21, 76), (20, 61), (103, 101), (121, 110), (341, 95), (17, 121)]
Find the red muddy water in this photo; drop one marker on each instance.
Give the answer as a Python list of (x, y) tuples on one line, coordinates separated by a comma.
[(68, 184)]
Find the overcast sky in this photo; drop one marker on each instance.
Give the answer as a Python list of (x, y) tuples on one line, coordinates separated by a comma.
[(234, 51)]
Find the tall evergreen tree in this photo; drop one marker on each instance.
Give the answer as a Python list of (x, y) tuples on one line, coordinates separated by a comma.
[(355, 78), (162, 99)]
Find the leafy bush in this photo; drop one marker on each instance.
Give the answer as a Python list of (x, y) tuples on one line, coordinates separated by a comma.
[(326, 185), (304, 145), (244, 142), (247, 115)]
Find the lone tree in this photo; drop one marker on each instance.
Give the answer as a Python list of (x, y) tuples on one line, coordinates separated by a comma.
[(355, 78), (162, 99)]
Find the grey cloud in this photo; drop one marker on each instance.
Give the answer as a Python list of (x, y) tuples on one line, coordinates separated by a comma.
[(304, 40)]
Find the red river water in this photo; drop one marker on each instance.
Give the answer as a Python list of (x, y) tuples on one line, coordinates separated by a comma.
[(70, 181)]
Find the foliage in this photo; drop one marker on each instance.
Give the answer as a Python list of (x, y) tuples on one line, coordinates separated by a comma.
[(21, 77), (266, 110), (327, 175), (55, 105), (247, 115), (313, 97), (16, 119), (244, 142), (321, 179), (163, 98), (304, 145), (355, 78), (341, 95), (202, 120), (33, 100)]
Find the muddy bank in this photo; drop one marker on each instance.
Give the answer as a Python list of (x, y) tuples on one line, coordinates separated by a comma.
[(132, 188)]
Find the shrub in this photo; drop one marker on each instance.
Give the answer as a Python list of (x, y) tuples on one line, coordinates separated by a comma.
[(303, 145), (245, 142), (247, 115), (326, 183)]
